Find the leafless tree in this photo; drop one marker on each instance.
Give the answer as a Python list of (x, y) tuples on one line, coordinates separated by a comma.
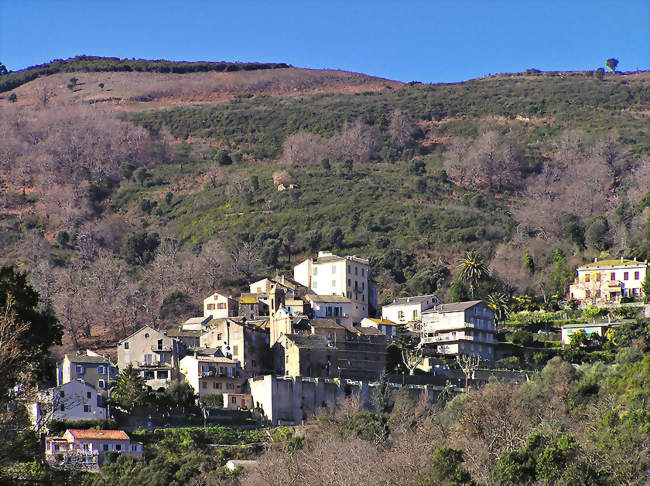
[(401, 128), (469, 364), (246, 259)]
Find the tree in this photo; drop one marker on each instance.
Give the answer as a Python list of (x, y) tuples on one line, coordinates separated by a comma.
[(3, 69), (645, 287), (140, 248), (255, 182), (445, 469), (141, 175), (472, 270), (176, 304), (180, 394), (288, 237), (499, 302), (428, 279), (611, 63), (221, 157), (410, 350), (12, 98), (336, 237), (128, 390), (468, 363)]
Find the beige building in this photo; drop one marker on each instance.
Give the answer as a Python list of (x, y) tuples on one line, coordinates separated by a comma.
[(608, 281), (237, 401), (219, 306), (331, 307), (408, 309), (389, 328), (154, 354), (241, 341), (212, 375), (90, 367), (348, 276), (291, 288), (305, 355), (460, 328)]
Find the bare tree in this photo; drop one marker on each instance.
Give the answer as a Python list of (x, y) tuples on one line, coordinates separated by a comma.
[(246, 259), (401, 128), (469, 364)]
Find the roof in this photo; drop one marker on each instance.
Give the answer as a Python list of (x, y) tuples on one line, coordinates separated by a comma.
[(205, 351), (307, 341), (366, 331), (213, 359), (416, 299), (339, 299), (383, 322), (615, 263), (182, 333), (98, 434), (294, 302), (138, 332), (328, 259), (325, 324), (454, 306), (248, 299), (198, 320), (84, 358)]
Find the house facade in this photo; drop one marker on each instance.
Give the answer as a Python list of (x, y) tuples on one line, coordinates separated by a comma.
[(86, 448), (74, 400), (460, 328), (220, 306), (90, 367), (348, 276), (305, 355), (389, 328), (331, 307), (408, 309), (212, 375), (608, 281), (154, 354)]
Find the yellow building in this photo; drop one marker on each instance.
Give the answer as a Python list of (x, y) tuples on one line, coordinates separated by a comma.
[(607, 281)]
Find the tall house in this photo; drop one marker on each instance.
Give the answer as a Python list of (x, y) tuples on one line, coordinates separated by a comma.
[(608, 281), (460, 328), (348, 276), (408, 309), (219, 306), (90, 367)]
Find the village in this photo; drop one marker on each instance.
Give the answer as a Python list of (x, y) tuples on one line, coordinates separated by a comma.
[(292, 346)]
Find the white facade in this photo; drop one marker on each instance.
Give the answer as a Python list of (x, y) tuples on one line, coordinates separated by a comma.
[(460, 328), (332, 307), (608, 281), (219, 306), (75, 400), (387, 327), (408, 309), (211, 375), (330, 274)]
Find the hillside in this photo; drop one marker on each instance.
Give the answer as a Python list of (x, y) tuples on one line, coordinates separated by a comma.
[(138, 196)]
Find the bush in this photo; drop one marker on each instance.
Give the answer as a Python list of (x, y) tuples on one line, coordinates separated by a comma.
[(212, 401), (523, 338), (221, 157)]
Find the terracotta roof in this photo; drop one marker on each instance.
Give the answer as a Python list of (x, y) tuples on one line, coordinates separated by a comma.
[(98, 434), (248, 299), (453, 307), (383, 322)]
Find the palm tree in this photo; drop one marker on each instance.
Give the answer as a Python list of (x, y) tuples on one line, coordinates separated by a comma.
[(500, 305), (472, 270), (129, 389)]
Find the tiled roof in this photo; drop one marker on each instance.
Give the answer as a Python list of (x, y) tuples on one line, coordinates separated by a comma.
[(308, 341), (383, 322), (248, 299), (84, 358), (198, 320), (338, 299), (454, 306), (614, 263), (181, 333), (416, 299), (98, 434), (325, 324)]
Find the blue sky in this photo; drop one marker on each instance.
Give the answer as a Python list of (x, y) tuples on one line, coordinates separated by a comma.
[(429, 41)]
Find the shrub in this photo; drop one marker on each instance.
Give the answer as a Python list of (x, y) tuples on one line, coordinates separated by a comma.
[(523, 338), (221, 157), (212, 401)]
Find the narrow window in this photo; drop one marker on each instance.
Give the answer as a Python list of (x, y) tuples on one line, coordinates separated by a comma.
[(88, 395), (636, 276), (587, 278), (625, 276), (126, 345), (86, 408), (612, 276)]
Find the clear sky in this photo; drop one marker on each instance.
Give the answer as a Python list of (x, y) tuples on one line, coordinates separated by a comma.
[(429, 41)]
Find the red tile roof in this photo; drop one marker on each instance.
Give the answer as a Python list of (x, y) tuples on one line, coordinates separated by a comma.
[(99, 434)]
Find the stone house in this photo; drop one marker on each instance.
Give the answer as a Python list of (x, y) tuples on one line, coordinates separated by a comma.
[(212, 375), (304, 355), (90, 367)]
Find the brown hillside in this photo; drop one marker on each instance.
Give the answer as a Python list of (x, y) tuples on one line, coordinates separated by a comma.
[(137, 90)]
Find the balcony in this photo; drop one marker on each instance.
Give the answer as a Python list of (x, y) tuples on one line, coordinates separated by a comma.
[(161, 349)]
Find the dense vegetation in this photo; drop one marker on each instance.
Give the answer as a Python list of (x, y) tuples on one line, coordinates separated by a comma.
[(13, 79)]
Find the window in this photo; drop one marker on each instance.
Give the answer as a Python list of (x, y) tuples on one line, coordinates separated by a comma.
[(313, 284), (315, 271), (259, 290), (118, 447), (104, 447), (101, 370), (210, 306), (233, 399), (79, 369), (62, 407), (219, 337), (126, 345), (230, 386), (62, 394), (147, 358), (612, 276), (356, 270), (625, 275), (134, 447), (598, 277), (89, 395), (400, 315), (163, 374), (333, 283), (86, 408), (160, 344), (221, 305), (235, 350), (415, 315), (333, 269), (363, 285), (230, 372), (349, 283), (363, 272), (349, 269), (349, 294), (587, 278), (146, 335), (636, 276), (216, 386), (328, 311)]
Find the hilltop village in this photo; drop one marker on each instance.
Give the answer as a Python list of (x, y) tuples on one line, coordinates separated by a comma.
[(294, 345)]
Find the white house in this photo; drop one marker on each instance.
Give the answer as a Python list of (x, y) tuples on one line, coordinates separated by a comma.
[(460, 328), (607, 281), (74, 400), (408, 309), (219, 306), (331, 306), (88, 366), (212, 375), (348, 276)]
